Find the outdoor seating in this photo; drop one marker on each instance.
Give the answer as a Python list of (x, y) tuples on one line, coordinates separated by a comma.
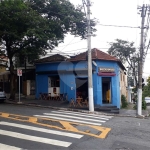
[(44, 96), (85, 103), (79, 101), (49, 96), (55, 96), (61, 96), (72, 103)]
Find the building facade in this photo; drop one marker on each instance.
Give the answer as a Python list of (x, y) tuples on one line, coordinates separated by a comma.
[(57, 74)]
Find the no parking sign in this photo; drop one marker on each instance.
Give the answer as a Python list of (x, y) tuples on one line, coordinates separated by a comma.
[(19, 72)]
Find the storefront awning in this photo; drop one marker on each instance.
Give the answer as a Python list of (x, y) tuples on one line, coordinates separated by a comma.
[(106, 74)]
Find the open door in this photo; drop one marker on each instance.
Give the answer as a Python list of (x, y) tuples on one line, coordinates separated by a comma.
[(106, 90)]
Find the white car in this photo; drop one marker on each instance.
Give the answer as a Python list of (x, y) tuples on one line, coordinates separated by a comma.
[(2, 96), (147, 100)]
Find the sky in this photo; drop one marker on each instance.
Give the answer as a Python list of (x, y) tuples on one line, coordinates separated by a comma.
[(110, 12)]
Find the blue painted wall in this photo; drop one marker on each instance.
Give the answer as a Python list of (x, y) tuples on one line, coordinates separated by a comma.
[(67, 79), (115, 87)]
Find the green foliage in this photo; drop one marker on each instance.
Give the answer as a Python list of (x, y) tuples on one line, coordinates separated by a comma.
[(144, 106), (146, 89), (30, 27), (122, 49), (125, 51), (124, 101)]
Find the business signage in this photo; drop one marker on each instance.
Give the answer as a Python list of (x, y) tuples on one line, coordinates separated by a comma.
[(106, 70)]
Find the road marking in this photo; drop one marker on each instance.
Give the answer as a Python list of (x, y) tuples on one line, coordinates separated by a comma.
[(78, 136), (65, 116), (72, 120), (34, 138), (7, 147), (67, 125), (87, 115)]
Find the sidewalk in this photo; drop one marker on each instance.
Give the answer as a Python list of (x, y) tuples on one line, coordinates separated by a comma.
[(64, 105)]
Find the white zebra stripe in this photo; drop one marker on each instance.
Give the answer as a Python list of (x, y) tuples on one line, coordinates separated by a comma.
[(73, 135), (8, 147), (35, 138), (66, 119), (74, 117), (87, 115)]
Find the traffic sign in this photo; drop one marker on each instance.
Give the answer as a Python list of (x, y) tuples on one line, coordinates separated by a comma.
[(19, 72)]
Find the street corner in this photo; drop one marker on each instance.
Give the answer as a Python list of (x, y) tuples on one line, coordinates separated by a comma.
[(85, 129)]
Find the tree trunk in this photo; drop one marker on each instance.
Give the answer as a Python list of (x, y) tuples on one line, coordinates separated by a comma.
[(12, 80)]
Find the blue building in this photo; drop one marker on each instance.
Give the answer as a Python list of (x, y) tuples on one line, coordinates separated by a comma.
[(58, 74)]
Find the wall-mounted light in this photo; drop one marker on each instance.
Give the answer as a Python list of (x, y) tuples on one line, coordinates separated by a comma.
[(94, 63)]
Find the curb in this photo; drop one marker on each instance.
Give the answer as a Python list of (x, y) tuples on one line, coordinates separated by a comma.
[(77, 110)]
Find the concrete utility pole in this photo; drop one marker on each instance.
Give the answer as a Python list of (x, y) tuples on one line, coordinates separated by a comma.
[(139, 106), (90, 82)]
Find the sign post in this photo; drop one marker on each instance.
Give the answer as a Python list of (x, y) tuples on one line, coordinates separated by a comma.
[(19, 73)]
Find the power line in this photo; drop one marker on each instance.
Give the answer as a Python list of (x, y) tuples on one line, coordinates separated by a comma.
[(71, 43), (118, 26), (68, 44), (71, 50)]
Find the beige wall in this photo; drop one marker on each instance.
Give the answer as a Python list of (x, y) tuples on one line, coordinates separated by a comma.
[(2, 69), (3, 77), (123, 83)]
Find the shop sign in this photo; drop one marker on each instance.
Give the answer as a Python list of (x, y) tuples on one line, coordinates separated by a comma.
[(106, 70)]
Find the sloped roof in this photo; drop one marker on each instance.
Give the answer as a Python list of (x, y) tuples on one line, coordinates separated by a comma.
[(53, 58), (96, 55)]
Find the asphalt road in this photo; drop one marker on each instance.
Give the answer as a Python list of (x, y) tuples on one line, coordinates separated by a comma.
[(126, 133)]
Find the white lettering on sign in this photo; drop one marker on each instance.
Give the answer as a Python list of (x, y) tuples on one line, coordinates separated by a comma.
[(106, 70), (19, 72)]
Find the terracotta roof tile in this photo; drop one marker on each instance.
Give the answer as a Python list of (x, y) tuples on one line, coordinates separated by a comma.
[(96, 54)]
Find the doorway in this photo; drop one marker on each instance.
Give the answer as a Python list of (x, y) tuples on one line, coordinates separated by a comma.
[(53, 85), (106, 90), (82, 87)]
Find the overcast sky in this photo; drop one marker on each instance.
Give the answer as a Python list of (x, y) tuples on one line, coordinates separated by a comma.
[(110, 12)]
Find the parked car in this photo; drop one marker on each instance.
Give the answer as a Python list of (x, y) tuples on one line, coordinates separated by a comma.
[(2, 95), (147, 100)]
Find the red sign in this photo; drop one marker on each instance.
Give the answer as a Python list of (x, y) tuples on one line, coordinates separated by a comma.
[(19, 72)]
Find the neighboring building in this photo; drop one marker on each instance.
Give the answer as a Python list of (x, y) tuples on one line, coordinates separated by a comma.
[(123, 82), (28, 75), (27, 80), (57, 74), (4, 73)]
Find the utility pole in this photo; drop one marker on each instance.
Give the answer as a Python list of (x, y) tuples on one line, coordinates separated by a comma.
[(90, 79), (139, 106)]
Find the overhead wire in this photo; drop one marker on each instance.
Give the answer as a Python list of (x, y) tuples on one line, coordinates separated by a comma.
[(117, 26)]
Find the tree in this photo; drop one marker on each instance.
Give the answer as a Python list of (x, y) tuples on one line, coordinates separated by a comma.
[(146, 91), (126, 52), (35, 26)]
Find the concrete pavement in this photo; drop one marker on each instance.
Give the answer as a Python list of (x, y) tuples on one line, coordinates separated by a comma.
[(126, 132), (64, 105)]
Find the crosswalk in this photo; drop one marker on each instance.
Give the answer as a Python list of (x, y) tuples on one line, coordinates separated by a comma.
[(34, 134), (83, 118)]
